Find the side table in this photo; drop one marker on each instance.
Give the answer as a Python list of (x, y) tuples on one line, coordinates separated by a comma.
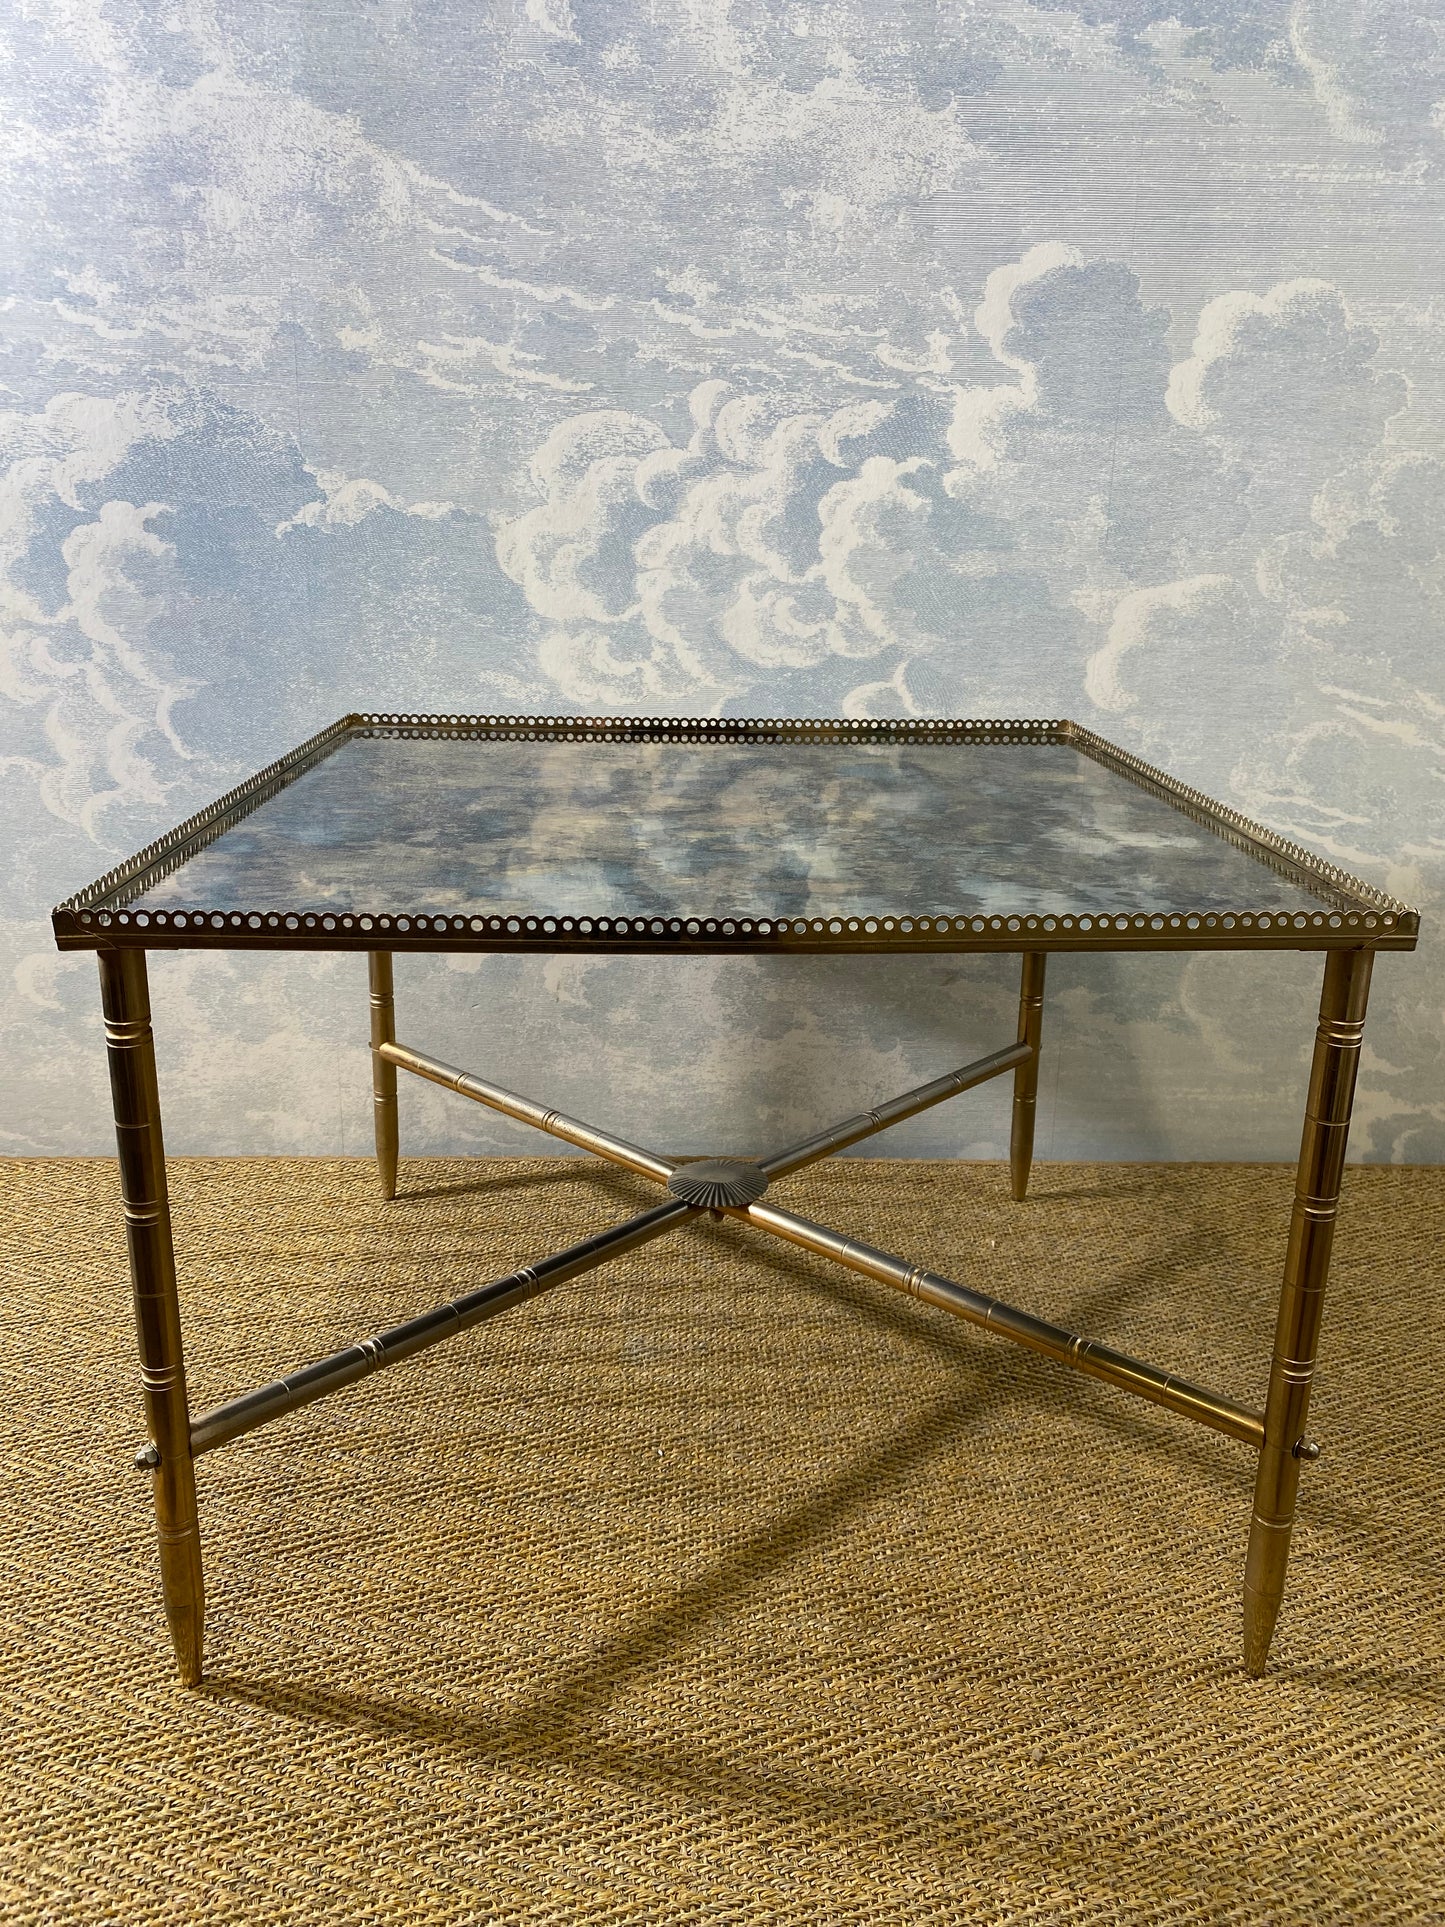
[(677, 836)]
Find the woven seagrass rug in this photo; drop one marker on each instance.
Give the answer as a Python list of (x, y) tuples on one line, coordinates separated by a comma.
[(720, 1586)]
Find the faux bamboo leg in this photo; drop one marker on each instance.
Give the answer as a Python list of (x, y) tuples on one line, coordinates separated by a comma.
[(383, 1075), (125, 1000), (1026, 1077), (1317, 1193)]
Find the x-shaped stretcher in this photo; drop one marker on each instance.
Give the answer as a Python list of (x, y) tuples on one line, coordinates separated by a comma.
[(732, 1187)]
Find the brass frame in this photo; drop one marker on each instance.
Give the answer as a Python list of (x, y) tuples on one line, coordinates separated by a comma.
[(1351, 912), (383, 1074), (1026, 1077), (1356, 922), (1319, 1175), (141, 1154)]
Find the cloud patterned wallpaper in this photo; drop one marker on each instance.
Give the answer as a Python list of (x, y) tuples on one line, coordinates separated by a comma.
[(867, 357)]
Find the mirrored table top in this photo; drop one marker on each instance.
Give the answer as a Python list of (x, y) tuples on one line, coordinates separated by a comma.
[(560, 833)]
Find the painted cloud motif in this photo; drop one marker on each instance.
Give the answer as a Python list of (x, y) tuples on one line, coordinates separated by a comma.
[(743, 358), (959, 533)]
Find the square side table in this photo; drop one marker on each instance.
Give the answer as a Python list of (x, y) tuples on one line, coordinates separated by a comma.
[(563, 834)]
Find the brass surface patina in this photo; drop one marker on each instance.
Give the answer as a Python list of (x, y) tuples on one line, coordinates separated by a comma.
[(1342, 911), (1350, 924), (141, 1155)]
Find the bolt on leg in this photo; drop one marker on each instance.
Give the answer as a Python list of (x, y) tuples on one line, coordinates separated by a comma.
[(383, 1075)]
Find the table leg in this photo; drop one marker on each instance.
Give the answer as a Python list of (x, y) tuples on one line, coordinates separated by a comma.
[(125, 1001), (1317, 1193), (383, 1075), (1026, 1077)]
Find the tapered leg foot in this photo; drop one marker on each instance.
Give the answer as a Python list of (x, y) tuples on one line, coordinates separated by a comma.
[(125, 999), (383, 1075), (1301, 1304), (1263, 1592), (1026, 1077), (183, 1589)]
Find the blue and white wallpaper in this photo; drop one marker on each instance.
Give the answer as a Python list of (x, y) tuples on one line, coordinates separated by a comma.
[(866, 357)]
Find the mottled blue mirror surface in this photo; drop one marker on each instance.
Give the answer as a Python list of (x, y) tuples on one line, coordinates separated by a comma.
[(392, 824)]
